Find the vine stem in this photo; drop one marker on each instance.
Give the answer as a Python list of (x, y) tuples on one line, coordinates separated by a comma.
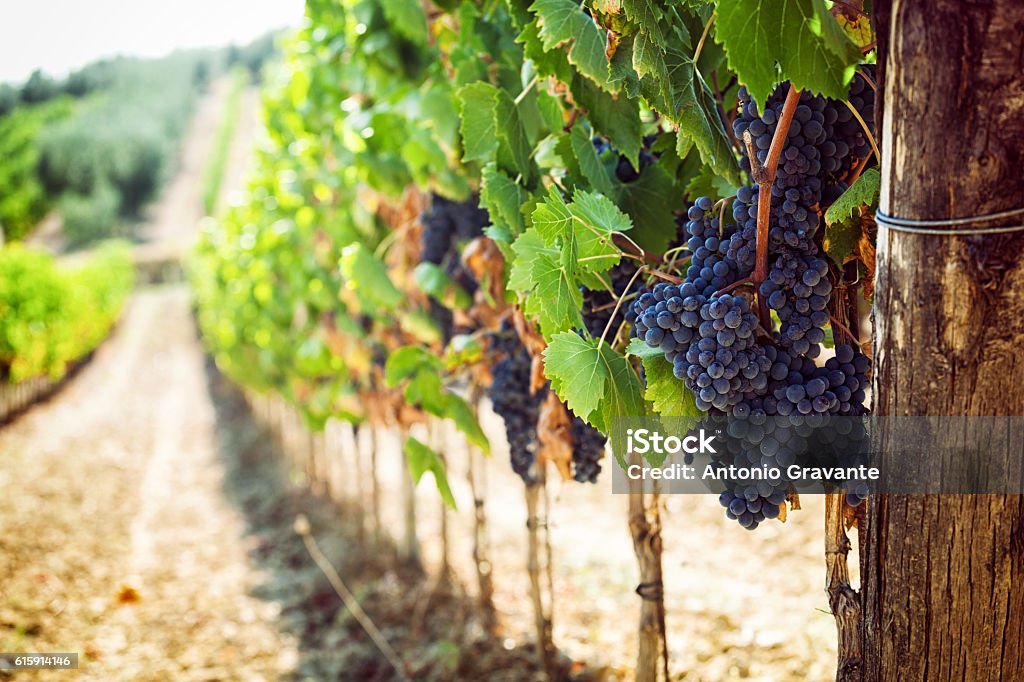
[(867, 131), (703, 37), (867, 79), (526, 90), (858, 169), (842, 598), (845, 329), (764, 176), (666, 276), (618, 304), (735, 285)]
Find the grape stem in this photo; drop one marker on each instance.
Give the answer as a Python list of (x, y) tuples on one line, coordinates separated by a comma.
[(703, 37), (618, 304), (867, 79), (573, 115), (867, 131), (674, 279), (845, 329), (857, 170), (735, 285), (529, 86), (764, 176), (623, 240)]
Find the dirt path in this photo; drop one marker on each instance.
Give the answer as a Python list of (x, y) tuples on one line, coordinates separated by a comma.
[(118, 541), (174, 219)]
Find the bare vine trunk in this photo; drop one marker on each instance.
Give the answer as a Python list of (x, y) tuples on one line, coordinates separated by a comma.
[(410, 544), (378, 525), (645, 527), (942, 579), (438, 435), (535, 523), (359, 473), (481, 540)]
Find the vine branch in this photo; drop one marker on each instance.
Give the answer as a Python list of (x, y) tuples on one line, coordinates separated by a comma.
[(764, 176), (618, 304), (703, 37)]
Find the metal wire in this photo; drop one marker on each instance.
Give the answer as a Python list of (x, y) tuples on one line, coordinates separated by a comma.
[(946, 226)]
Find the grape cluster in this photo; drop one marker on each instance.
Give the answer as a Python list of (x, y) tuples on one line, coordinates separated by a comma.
[(798, 290), (512, 400), (711, 268), (749, 505), (767, 381), (587, 450), (445, 225)]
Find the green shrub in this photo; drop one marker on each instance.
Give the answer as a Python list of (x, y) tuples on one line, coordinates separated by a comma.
[(90, 217), (50, 317), (24, 200)]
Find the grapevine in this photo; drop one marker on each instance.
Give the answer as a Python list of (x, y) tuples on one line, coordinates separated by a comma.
[(586, 211)]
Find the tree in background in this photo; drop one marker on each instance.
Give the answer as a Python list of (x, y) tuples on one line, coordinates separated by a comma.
[(38, 88)]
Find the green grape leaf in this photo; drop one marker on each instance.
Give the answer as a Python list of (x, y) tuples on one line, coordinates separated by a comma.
[(650, 201), (590, 165), (502, 197), (516, 147), (617, 118), (595, 381), (621, 69), (623, 392), (588, 222), (545, 275), (407, 361), (577, 372), (435, 282), (368, 276), (551, 111), (638, 348), (478, 103), (408, 19), (799, 35), (425, 389), (463, 349), (528, 247), (459, 411), (422, 459), (695, 112), (564, 20), (420, 325), (552, 218), (706, 183), (863, 192), (646, 15), (668, 395), (548, 62), (649, 59), (843, 226)]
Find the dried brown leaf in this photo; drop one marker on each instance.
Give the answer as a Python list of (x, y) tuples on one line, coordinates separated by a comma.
[(553, 432), (866, 253), (128, 594)]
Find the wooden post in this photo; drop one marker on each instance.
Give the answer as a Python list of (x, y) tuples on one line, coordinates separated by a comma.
[(942, 582)]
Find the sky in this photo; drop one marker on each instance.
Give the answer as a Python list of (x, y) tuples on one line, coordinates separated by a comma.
[(59, 36)]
